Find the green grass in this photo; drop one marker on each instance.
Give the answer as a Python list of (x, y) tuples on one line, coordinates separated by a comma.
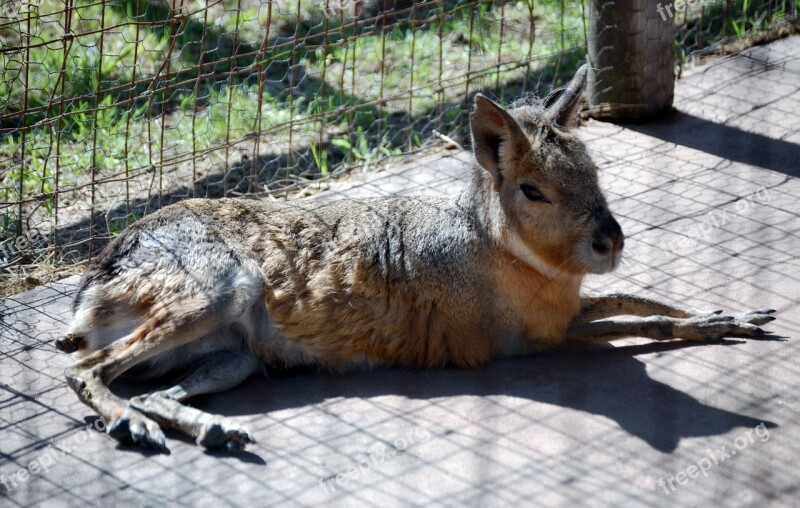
[(469, 35)]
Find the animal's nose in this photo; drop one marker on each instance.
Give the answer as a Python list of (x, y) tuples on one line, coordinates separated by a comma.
[(608, 235)]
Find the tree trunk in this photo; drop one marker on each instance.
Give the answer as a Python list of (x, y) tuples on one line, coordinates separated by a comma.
[(631, 52)]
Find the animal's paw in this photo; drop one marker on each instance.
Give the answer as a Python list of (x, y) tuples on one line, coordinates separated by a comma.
[(758, 317), (132, 427), (77, 383), (224, 434), (713, 326)]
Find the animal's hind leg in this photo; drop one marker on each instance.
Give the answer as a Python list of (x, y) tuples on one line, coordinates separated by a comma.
[(214, 372), (172, 324)]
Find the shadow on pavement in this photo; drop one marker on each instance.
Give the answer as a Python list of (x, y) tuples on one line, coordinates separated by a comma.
[(605, 381), (724, 141)]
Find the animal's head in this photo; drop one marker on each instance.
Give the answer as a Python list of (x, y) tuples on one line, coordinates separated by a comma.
[(544, 185)]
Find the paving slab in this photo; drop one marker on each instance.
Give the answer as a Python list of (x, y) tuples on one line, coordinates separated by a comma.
[(709, 199)]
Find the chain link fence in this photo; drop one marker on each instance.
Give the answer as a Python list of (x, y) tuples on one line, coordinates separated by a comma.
[(111, 109)]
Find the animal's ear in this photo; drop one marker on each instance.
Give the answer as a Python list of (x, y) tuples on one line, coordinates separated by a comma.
[(495, 133), (562, 104)]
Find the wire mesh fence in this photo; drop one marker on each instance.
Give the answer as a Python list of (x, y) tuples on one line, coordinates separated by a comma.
[(706, 27), (111, 109)]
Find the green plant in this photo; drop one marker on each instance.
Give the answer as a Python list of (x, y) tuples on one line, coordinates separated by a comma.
[(359, 150), (320, 159), (739, 23)]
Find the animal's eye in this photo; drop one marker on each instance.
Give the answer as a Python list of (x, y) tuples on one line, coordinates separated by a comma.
[(532, 193)]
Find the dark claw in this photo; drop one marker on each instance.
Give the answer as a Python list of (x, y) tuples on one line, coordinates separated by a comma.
[(70, 343), (235, 446), (141, 437), (121, 430), (217, 437), (75, 381), (214, 437), (124, 431)]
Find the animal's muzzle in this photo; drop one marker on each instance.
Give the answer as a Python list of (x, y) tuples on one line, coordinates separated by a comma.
[(608, 237)]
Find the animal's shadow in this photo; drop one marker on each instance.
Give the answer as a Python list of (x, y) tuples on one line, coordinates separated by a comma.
[(604, 381)]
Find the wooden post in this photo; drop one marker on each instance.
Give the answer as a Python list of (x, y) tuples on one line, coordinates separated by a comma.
[(631, 53)]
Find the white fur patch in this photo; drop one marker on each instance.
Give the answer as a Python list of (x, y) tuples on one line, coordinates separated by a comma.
[(522, 251), (100, 333), (80, 323)]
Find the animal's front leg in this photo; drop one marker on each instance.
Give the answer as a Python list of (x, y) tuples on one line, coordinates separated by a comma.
[(605, 305), (698, 328)]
